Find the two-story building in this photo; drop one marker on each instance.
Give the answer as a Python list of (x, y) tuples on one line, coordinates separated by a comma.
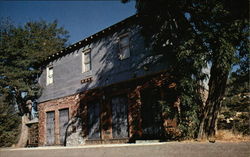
[(106, 88)]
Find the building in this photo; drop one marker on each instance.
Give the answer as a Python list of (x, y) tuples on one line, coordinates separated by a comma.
[(107, 88)]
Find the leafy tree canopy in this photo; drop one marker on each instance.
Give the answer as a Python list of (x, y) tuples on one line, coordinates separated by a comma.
[(22, 49), (192, 34)]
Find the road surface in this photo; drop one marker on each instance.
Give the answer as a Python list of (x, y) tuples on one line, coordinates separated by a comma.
[(167, 149)]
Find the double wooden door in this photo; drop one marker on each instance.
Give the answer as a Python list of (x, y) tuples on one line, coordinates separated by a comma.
[(50, 126)]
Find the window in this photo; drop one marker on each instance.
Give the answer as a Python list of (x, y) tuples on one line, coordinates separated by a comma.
[(86, 59), (124, 47), (49, 75)]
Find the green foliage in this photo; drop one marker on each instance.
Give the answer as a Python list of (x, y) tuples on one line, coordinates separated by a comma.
[(168, 32), (235, 110), (235, 114), (191, 35), (22, 50), (9, 123), (239, 79), (190, 101)]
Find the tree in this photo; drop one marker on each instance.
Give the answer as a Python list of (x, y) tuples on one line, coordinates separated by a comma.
[(22, 50), (239, 79), (235, 105), (192, 34), (9, 120), (167, 31), (223, 26)]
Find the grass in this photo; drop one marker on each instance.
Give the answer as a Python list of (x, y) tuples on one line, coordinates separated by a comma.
[(229, 136)]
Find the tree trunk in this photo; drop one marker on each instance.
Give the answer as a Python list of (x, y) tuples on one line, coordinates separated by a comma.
[(217, 86), (22, 142)]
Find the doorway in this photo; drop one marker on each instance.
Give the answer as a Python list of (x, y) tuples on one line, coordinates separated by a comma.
[(151, 113), (119, 116), (50, 128), (63, 122)]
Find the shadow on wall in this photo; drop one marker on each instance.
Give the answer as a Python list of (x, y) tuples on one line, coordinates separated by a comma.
[(112, 70), (74, 133)]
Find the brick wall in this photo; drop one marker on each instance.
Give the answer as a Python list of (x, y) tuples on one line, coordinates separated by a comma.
[(33, 135), (134, 114), (70, 102)]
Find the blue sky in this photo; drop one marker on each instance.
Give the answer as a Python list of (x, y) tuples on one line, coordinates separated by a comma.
[(80, 18)]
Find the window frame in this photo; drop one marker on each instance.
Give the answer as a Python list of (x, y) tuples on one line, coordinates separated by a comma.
[(87, 51)]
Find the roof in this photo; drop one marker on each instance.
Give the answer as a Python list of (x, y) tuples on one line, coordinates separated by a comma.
[(90, 39)]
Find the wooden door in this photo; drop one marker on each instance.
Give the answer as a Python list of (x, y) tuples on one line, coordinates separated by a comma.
[(63, 122), (119, 117), (50, 128), (94, 120)]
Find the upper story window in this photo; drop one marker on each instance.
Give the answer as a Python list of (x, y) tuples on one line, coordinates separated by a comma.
[(124, 47), (49, 75), (86, 60)]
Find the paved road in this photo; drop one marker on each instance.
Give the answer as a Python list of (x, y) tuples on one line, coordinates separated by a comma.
[(169, 149)]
